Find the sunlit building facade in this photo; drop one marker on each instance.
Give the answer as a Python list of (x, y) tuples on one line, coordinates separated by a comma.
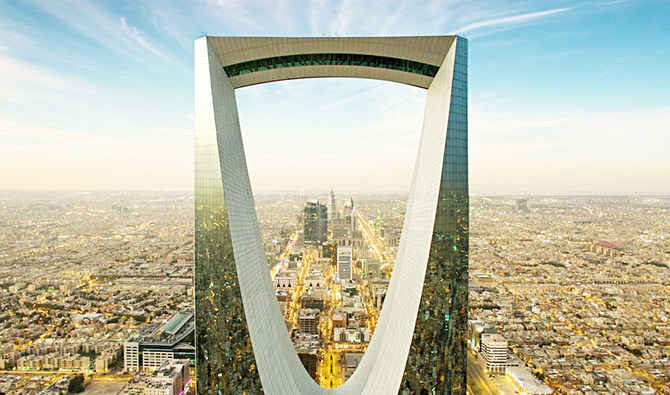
[(419, 341), (344, 261)]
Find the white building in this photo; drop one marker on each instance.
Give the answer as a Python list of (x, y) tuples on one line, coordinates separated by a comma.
[(158, 342), (171, 378), (494, 352), (285, 280), (103, 362), (131, 356), (526, 383), (351, 335), (344, 259)]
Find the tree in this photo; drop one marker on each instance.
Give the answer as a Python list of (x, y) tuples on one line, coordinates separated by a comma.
[(76, 384)]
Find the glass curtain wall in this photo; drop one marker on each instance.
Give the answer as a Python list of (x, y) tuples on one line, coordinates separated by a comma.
[(437, 359)]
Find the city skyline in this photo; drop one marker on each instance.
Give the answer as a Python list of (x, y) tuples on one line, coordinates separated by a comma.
[(576, 287), (559, 92)]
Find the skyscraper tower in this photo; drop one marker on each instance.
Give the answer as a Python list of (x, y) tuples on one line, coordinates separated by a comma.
[(333, 214), (419, 345), (353, 223), (316, 223)]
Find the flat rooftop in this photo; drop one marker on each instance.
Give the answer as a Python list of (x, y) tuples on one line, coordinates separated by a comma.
[(174, 324)]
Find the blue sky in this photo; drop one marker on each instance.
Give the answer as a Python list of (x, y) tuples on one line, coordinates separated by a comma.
[(565, 96)]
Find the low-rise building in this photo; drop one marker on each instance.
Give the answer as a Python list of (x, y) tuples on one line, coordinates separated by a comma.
[(160, 342), (171, 378), (524, 381), (494, 351), (308, 320)]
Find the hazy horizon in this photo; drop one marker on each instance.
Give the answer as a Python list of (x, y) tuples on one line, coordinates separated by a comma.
[(325, 192)]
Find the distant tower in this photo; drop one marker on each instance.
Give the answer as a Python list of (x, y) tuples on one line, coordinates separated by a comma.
[(323, 223), (334, 214), (354, 219), (316, 223), (522, 204)]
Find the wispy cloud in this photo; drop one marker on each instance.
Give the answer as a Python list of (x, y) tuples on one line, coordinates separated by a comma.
[(10, 37), (237, 14), (614, 2), (105, 27), (511, 20), (24, 82), (348, 12), (137, 36)]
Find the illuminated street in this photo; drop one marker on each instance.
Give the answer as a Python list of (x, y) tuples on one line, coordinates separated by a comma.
[(383, 253), (281, 261), (330, 373), (478, 381), (294, 305)]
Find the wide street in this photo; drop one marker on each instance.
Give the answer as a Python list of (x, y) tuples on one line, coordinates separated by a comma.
[(335, 377), (478, 381)]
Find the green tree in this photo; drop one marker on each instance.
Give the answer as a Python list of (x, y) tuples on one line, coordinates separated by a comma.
[(76, 384)]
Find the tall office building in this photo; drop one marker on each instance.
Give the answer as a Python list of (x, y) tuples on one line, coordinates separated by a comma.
[(333, 214), (344, 259), (419, 341), (353, 221), (522, 204), (316, 223), (350, 217)]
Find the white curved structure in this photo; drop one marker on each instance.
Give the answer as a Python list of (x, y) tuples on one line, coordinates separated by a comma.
[(419, 342)]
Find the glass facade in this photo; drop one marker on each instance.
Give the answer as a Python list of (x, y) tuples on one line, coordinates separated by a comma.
[(316, 223), (225, 361), (331, 59), (437, 358)]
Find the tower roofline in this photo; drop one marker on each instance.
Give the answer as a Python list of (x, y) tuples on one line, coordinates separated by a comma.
[(410, 60)]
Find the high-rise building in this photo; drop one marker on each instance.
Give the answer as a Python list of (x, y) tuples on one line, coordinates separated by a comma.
[(353, 222), (344, 260), (332, 210), (522, 204), (419, 343), (316, 223), (350, 219)]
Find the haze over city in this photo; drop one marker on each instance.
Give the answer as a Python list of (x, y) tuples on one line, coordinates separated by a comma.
[(565, 98)]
